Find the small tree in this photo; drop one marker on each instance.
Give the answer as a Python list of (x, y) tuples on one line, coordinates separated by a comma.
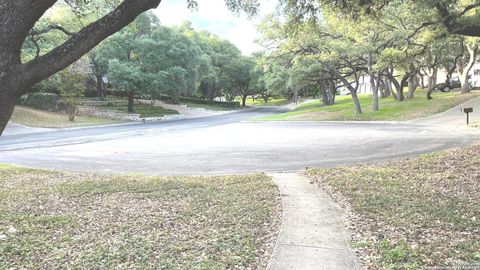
[(466, 62), (243, 77), (175, 80), (126, 75), (71, 85)]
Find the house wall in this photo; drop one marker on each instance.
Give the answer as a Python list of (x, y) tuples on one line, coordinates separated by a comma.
[(363, 86)]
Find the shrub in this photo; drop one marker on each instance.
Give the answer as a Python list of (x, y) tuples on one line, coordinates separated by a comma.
[(208, 102), (167, 99), (45, 86), (116, 92), (41, 101), (109, 92), (90, 93), (225, 104)]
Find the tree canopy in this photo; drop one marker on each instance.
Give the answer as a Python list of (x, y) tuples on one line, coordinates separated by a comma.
[(24, 24), (330, 45), (312, 47)]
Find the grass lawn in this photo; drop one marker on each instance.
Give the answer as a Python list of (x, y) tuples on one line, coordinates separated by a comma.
[(390, 109), (144, 110), (412, 213), (210, 107), (271, 102), (37, 118), (56, 220)]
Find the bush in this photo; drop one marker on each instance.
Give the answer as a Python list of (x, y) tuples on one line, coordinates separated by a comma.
[(225, 104), (45, 86), (116, 92), (41, 101), (109, 92), (167, 99), (90, 93)]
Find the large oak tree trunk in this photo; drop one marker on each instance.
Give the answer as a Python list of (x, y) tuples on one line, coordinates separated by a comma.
[(386, 86), (7, 104), (465, 67), (100, 86), (265, 98), (412, 81), (244, 100), (356, 102), (17, 19), (373, 85), (432, 81), (412, 86), (399, 86), (332, 91), (325, 99), (325, 92), (394, 94), (353, 90), (11, 86), (465, 86), (130, 101), (398, 94)]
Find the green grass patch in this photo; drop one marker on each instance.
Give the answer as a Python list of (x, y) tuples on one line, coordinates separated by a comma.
[(211, 107), (5, 166), (390, 109), (55, 220), (270, 102), (144, 110), (414, 213), (43, 119)]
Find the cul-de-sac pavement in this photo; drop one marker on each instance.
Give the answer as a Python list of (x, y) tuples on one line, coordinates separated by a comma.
[(226, 144)]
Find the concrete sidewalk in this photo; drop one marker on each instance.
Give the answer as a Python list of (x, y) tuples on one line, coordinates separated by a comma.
[(453, 117), (15, 129), (312, 234)]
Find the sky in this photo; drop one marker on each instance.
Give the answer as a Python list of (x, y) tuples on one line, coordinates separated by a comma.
[(214, 16)]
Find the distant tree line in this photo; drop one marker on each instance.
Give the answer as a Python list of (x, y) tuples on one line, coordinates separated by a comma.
[(312, 47), (148, 60), (320, 46)]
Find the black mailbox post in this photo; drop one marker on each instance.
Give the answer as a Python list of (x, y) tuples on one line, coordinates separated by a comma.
[(467, 111)]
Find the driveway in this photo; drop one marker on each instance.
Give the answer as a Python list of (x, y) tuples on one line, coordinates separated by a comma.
[(453, 117), (225, 144)]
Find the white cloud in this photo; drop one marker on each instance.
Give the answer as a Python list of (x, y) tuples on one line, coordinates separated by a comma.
[(214, 16)]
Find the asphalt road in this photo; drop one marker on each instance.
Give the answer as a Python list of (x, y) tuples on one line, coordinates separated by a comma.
[(225, 144)]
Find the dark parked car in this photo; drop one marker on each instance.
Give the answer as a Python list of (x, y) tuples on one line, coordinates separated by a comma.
[(454, 83)]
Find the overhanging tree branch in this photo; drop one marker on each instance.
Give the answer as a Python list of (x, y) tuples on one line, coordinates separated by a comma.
[(453, 26), (83, 41), (22, 14), (50, 28), (470, 7)]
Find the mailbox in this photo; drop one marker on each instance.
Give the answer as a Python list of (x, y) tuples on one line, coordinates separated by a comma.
[(467, 110)]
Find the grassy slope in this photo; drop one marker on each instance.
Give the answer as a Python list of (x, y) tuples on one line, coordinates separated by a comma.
[(37, 118), (390, 109), (142, 109), (271, 102), (65, 220), (210, 107), (414, 213)]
